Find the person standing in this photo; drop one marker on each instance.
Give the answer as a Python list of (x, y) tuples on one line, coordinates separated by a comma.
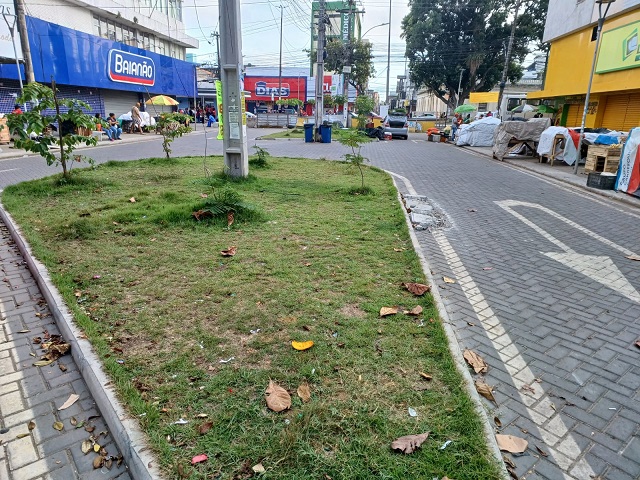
[(136, 118), (454, 127), (114, 131)]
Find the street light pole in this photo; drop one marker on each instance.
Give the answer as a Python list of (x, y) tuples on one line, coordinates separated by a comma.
[(459, 88), (601, 18), (11, 27), (376, 26)]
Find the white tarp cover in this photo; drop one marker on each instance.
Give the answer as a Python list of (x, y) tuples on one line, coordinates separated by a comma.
[(568, 154), (529, 131), (479, 133), (629, 171)]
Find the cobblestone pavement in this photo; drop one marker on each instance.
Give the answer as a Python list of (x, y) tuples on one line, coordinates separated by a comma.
[(34, 394), (544, 292)]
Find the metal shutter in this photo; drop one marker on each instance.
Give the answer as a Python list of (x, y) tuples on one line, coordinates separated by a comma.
[(118, 102), (574, 116), (622, 112)]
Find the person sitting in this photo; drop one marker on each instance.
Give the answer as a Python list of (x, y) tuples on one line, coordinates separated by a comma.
[(114, 131), (211, 120), (16, 109)]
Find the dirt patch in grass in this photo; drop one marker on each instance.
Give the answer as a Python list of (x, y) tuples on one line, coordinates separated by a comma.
[(159, 296)]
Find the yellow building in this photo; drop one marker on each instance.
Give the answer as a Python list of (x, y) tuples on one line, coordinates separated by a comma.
[(615, 94)]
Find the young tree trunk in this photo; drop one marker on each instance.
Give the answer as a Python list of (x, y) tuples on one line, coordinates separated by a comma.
[(63, 159)]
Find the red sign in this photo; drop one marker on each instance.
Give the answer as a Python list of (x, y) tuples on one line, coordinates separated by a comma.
[(268, 88)]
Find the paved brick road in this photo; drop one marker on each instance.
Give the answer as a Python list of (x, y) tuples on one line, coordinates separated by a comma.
[(544, 293)]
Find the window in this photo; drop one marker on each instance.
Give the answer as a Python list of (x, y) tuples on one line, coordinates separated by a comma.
[(482, 107), (111, 28), (96, 26), (119, 34), (104, 31)]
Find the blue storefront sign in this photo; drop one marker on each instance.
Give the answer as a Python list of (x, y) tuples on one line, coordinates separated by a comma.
[(77, 58)]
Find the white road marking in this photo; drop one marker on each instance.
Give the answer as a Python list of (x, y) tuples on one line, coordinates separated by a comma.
[(9, 170), (561, 445), (598, 268)]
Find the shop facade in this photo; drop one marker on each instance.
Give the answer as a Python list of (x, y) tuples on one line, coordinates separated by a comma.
[(615, 94), (108, 59)]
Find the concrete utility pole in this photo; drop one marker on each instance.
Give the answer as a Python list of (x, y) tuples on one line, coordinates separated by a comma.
[(217, 37), (280, 67), (505, 70), (320, 70), (234, 143), (24, 40), (388, 54)]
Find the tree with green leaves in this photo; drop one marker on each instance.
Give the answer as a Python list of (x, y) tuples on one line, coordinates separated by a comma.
[(364, 106), (36, 121), (468, 37), (358, 54)]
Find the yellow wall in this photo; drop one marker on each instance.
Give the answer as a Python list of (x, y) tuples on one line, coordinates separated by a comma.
[(570, 61), (483, 97)]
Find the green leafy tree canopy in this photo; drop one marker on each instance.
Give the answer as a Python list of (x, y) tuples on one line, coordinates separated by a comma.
[(361, 60), (445, 39)]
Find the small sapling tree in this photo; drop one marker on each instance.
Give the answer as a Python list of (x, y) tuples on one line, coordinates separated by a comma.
[(172, 126), (32, 127), (354, 140)]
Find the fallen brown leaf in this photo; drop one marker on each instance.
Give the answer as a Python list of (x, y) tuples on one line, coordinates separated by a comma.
[(448, 280), (259, 468), (86, 446), (417, 310), (73, 398), (511, 444), (541, 452), (475, 361), (634, 257), (528, 388), (486, 391), (385, 311), (508, 461), (37, 340), (277, 398), (230, 218), (31, 425), (22, 435), (304, 392), (62, 367), (497, 421), (426, 376), (202, 214), (98, 462), (73, 421), (409, 443), (417, 288), (205, 427), (229, 252), (58, 426)]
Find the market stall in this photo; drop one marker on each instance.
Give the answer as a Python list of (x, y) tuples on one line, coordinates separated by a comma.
[(479, 133), (509, 134)]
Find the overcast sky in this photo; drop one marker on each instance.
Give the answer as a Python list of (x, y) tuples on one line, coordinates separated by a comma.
[(261, 33)]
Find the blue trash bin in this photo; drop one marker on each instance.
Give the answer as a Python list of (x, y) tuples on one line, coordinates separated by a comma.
[(308, 132), (325, 133)]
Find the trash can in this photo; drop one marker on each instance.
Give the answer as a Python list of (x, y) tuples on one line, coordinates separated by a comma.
[(308, 132), (325, 133)]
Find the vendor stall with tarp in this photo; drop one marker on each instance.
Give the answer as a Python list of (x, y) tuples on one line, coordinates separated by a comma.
[(628, 179), (479, 133), (509, 134)]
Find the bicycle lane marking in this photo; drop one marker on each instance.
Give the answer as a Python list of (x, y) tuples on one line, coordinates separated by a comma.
[(561, 445)]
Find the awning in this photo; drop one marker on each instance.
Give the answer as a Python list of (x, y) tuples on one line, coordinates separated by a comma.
[(537, 95)]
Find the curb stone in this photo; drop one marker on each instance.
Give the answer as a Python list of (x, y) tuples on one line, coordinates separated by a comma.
[(125, 431), (454, 346)]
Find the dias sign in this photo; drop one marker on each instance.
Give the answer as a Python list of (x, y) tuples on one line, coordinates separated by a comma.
[(264, 89), (127, 67)]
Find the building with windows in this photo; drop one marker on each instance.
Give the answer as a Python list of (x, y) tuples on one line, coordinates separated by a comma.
[(570, 29), (110, 55)]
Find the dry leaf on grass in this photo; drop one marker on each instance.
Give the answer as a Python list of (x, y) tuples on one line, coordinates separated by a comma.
[(486, 391), (417, 310), (634, 257), (277, 398), (304, 392), (132, 199), (205, 427), (409, 443), (73, 398), (511, 444), (385, 311), (448, 280), (475, 361), (259, 468), (426, 376), (302, 345), (229, 252), (230, 218), (417, 288)]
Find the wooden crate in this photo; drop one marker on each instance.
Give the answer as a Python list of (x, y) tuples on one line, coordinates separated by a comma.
[(603, 158)]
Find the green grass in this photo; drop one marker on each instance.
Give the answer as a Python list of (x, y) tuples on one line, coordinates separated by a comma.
[(293, 133), (313, 263)]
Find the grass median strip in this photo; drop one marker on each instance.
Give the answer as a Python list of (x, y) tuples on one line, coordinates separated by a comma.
[(192, 339)]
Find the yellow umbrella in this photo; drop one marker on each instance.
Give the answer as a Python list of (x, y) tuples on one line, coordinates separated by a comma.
[(162, 100)]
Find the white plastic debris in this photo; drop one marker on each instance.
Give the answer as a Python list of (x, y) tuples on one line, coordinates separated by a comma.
[(230, 359)]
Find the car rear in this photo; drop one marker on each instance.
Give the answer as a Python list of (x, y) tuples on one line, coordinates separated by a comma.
[(397, 126)]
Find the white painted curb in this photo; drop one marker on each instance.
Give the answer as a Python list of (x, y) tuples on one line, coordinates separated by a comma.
[(125, 431), (454, 346)]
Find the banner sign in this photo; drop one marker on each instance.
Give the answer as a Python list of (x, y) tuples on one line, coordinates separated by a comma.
[(619, 49), (268, 88), (128, 67), (219, 109), (629, 171)]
